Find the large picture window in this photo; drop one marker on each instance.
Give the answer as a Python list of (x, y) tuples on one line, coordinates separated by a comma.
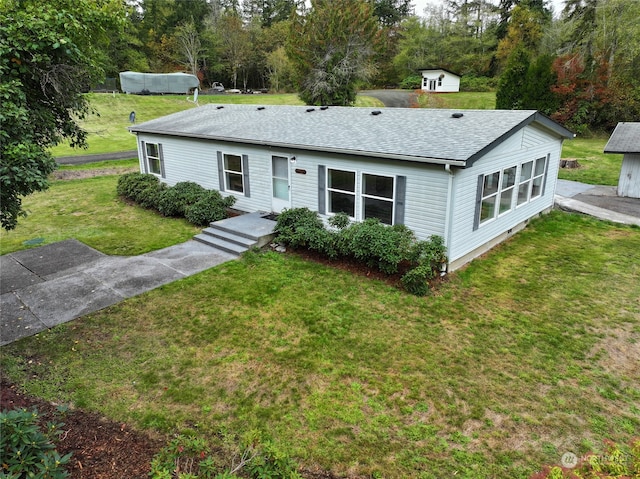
[(153, 158), (377, 197), (341, 189), (233, 174)]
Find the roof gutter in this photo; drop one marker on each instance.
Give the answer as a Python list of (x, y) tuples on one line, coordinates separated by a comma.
[(275, 144)]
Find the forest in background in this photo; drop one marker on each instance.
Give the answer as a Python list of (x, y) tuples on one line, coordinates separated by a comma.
[(580, 66)]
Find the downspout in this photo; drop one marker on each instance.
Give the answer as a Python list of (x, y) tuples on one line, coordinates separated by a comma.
[(448, 221)]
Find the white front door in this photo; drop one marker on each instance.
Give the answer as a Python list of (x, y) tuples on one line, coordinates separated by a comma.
[(280, 183)]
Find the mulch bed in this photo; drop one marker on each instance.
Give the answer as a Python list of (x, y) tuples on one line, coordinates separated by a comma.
[(102, 449)]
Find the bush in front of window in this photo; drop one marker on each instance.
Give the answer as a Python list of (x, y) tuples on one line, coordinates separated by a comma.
[(377, 245), (176, 200), (210, 207), (186, 199), (387, 248)]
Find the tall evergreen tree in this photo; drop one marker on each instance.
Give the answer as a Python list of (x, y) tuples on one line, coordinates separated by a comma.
[(513, 80)]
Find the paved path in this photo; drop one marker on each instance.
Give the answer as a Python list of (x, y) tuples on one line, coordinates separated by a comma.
[(393, 98), (52, 284), (81, 159)]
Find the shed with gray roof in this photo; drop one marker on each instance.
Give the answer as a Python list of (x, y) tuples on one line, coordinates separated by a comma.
[(625, 139), (473, 177)]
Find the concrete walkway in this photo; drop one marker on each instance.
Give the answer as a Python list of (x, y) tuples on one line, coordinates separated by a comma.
[(599, 201), (52, 284)]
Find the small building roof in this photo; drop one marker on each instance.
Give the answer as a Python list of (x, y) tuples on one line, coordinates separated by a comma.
[(624, 139), (412, 134), (434, 69)]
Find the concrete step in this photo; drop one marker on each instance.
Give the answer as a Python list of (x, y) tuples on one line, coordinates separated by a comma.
[(230, 236), (221, 244)]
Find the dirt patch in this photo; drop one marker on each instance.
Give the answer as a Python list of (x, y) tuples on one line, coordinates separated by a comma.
[(622, 353), (102, 449), (83, 174)]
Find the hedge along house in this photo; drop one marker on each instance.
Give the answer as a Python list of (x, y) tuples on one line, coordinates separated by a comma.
[(439, 80), (473, 177)]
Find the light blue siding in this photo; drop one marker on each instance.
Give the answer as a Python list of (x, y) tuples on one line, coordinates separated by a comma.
[(529, 144)]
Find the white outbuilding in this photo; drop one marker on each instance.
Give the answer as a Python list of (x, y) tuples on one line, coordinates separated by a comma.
[(439, 80)]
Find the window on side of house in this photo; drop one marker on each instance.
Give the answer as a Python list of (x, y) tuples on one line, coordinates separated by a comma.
[(524, 185), (341, 192), (531, 180), (378, 197), (497, 193), (507, 187), (490, 189), (538, 177), (233, 174), (153, 158)]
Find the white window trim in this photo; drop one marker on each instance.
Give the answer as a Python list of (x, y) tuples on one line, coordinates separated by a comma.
[(531, 180), (151, 157), (541, 176), (330, 189), (363, 195), (233, 172), (500, 190)]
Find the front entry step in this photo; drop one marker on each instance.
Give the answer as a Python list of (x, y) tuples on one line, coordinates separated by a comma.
[(238, 234), (225, 241)]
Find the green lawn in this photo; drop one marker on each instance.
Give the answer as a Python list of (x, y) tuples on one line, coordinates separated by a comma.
[(462, 100), (596, 167), (525, 354), (90, 211)]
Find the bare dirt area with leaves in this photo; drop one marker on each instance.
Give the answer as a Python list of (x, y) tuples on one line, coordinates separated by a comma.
[(102, 449), (82, 174)]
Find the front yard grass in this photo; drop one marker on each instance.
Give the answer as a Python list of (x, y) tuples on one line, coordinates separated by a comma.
[(529, 352), (596, 167), (90, 211)]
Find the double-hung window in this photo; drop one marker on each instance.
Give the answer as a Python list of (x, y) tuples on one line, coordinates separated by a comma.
[(233, 174), (153, 158), (378, 197), (341, 192)]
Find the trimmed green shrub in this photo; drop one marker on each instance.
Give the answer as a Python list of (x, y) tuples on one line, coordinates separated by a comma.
[(131, 184), (377, 245), (340, 221), (296, 226), (150, 196), (210, 207), (27, 451), (416, 280), (175, 200)]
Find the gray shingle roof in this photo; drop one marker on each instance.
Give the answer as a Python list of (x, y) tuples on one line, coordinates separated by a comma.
[(624, 139), (427, 135)]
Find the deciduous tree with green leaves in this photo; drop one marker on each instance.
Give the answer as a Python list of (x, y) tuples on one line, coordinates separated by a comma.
[(49, 54)]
